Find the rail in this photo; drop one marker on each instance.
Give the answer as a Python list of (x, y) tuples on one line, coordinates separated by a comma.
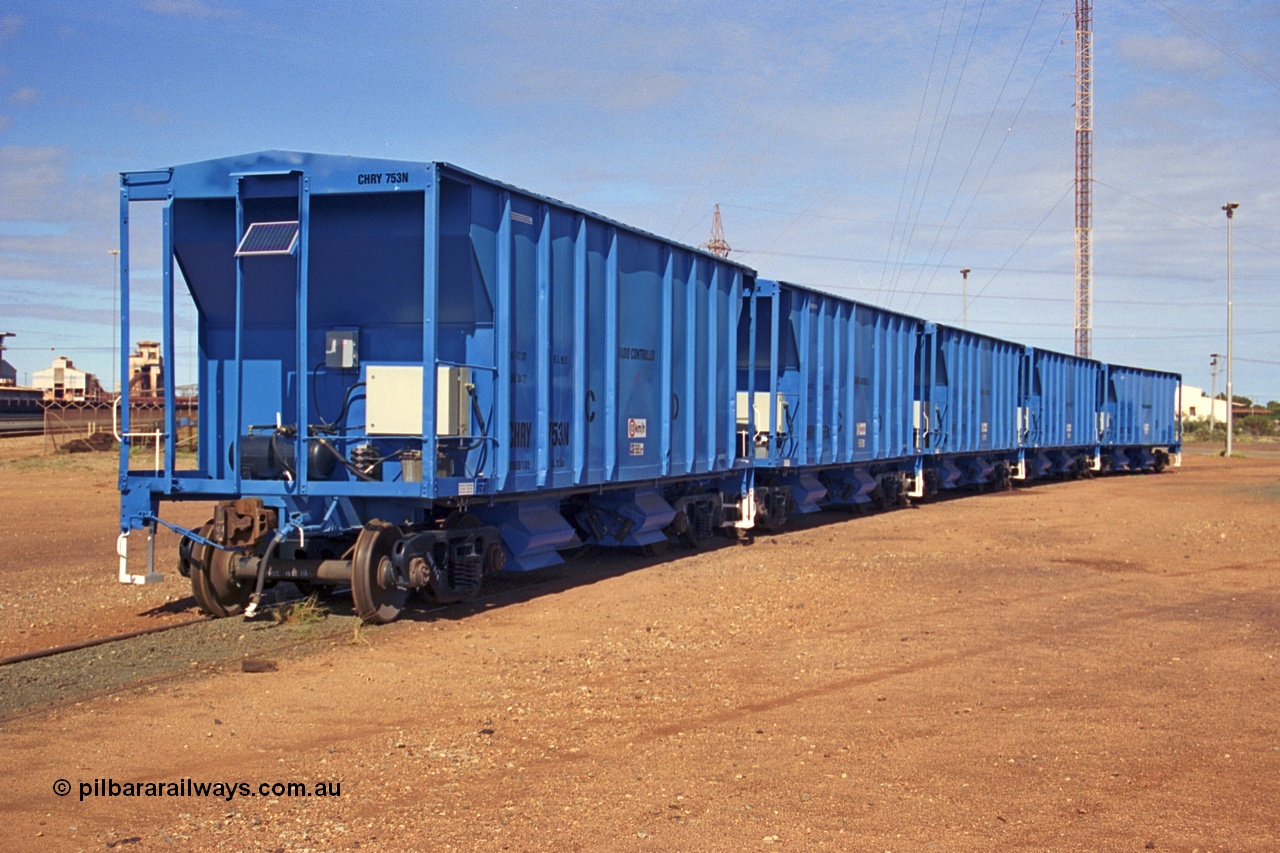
[(21, 429), (98, 641)]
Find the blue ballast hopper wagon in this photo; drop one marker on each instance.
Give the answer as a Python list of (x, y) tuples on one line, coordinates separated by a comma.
[(411, 377), (1138, 418), (834, 413)]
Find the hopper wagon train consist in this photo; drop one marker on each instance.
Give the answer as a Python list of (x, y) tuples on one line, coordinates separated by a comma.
[(411, 377)]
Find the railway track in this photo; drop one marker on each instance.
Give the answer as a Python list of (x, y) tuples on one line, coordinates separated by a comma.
[(47, 679), (80, 645), (99, 641), (43, 681), (12, 431)]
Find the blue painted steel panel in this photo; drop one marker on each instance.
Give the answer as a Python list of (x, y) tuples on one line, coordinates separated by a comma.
[(1061, 400), (972, 391), (640, 357), (844, 370), (595, 353), (532, 530), (1140, 407), (884, 372)]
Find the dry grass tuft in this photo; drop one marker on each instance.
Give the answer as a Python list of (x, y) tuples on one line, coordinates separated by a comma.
[(300, 614)]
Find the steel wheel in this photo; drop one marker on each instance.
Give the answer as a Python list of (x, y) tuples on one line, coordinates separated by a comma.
[(693, 531), (191, 552), (216, 591), (378, 600)]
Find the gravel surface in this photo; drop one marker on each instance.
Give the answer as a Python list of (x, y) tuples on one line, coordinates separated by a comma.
[(86, 672), (1070, 666)]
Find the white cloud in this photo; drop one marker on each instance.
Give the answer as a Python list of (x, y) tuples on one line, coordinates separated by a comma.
[(24, 97), (188, 9), (149, 115), (50, 217), (29, 177), (56, 225), (9, 26), (1175, 54)]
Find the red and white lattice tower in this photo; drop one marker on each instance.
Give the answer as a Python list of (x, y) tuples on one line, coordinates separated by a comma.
[(717, 245), (1084, 178)]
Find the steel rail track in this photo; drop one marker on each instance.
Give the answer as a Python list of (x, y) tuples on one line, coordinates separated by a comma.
[(20, 433), (211, 665), (98, 641)]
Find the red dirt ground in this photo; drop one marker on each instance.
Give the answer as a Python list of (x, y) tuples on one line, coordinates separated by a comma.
[(1069, 666), (58, 552)]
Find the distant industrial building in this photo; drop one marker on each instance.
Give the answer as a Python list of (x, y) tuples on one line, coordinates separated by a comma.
[(64, 382), (1198, 406), (146, 372), (15, 401), (21, 409), (8, 374)]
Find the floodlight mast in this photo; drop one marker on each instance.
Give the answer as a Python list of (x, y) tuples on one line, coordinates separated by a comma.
[(1213, 390), (1230, 209)]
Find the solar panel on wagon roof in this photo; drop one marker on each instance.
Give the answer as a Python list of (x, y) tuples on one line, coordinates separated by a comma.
[(268, 238)]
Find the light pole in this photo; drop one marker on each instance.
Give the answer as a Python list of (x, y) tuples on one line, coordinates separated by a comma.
[(1213, 389), (115, 324), (964, 298), (1230, 208)]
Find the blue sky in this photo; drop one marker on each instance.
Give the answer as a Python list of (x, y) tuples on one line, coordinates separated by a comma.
[(871, 150)]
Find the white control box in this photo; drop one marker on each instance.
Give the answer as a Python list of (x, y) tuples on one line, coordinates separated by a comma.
[(393, 400)]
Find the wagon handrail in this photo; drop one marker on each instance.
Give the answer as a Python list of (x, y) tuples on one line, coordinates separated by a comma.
[(120, 437)]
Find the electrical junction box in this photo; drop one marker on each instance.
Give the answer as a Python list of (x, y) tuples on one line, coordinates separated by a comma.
[(341, 350), (453, 401), (393, 400), (761, 406)]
